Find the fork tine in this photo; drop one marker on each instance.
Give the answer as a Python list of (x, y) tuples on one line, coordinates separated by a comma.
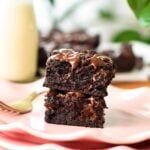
[(5, 107)]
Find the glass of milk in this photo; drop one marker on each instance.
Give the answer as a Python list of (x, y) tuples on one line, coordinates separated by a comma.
[(18, 40)]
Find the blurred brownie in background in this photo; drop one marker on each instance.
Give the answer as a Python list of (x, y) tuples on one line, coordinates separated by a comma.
[(78, 40), (125, 60), (42, 57)]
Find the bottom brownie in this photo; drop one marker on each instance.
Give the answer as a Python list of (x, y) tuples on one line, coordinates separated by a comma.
[(73, 108)]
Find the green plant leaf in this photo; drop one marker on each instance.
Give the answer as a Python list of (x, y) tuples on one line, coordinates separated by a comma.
[(144, 17), (141, 9), (126, 36), (52, 2), (138, 5), (106, 14)]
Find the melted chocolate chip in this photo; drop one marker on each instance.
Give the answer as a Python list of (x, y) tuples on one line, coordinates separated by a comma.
[(51, 93), (88, 113), (67, 55), (49, 106), (97, 60), (77, 94)]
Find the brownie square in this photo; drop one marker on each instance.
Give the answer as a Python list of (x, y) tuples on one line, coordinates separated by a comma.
[(74, 108), (68, 70)]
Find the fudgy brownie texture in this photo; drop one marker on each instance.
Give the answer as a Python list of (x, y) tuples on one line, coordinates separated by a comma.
[(126, 60), (78, 40), (73, 108), (68, 70)]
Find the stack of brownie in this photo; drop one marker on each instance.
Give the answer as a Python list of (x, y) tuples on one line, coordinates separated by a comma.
[(77, 83)]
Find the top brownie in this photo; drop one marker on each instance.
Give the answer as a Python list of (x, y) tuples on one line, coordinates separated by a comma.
[(68, 70)]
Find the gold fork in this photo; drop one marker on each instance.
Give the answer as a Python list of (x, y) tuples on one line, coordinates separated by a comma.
[(21, 106)]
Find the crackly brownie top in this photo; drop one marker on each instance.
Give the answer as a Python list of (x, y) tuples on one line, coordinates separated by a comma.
[(74, 58)]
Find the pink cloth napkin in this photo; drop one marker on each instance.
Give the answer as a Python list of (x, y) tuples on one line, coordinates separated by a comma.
[(127, 123)]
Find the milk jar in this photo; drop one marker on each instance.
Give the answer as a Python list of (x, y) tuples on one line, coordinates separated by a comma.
[(18, 40)]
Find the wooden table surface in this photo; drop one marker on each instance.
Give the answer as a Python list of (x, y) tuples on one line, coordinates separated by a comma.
[(131, 85)]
